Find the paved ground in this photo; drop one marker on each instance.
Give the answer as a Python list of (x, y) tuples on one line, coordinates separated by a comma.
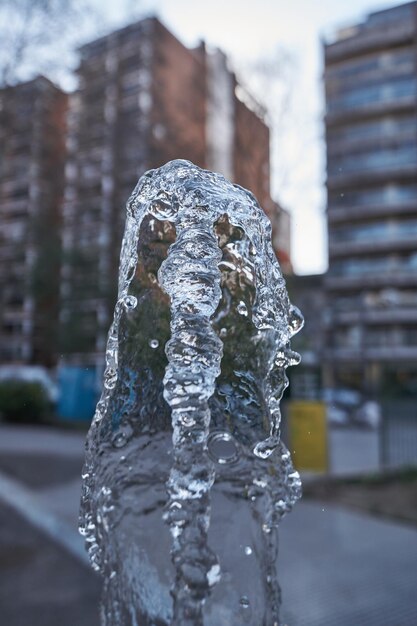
[(41, 583), (344, 569), (337, 568)]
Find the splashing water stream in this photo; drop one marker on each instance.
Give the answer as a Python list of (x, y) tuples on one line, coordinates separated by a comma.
[(185, 478)]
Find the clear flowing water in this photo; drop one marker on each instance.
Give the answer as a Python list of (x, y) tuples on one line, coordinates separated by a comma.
[(186, 479)]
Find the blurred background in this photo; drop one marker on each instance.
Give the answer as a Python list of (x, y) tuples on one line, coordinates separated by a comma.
[(313, 107)]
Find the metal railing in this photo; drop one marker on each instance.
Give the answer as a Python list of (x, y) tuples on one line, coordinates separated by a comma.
[(398, 433)]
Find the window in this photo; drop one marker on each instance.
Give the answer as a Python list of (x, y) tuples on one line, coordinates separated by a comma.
[(392, 158), (385, 196), (386, 91), (387, 127), (374, 266), (405, 229)]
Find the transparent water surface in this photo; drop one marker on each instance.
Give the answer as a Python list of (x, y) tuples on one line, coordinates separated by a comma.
[(186, 479)]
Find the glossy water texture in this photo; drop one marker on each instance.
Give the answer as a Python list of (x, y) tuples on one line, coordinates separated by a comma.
[(186, 479)]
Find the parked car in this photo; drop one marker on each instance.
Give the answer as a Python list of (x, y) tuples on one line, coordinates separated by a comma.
[(348, 398), (368, 414), (341, 405), (337, 416)]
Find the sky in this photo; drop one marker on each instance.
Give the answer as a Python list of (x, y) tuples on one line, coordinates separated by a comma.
[(249, 29)]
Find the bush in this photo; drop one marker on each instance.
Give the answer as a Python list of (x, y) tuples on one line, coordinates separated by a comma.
[(22, 401)]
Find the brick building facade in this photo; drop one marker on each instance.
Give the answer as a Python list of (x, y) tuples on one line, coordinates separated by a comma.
[(68, 164), (143, 99), (32, 153)]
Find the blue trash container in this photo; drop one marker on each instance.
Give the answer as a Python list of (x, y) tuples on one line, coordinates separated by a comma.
[(78, 393)]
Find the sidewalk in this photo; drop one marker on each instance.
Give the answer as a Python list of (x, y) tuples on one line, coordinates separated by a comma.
[(346, 569), (45, 577), (337, 568)]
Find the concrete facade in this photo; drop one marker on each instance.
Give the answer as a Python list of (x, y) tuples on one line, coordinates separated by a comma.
[(371, 133)]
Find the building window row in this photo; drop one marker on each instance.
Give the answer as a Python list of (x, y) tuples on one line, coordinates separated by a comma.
[(402, 13), (357, 337), (386, 195), (379, 299), (381, 231), (384, 92), (398, 156), (393, 61), (374, 266), (385, 128)]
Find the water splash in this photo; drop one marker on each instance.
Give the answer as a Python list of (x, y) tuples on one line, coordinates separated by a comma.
[(186, 479)]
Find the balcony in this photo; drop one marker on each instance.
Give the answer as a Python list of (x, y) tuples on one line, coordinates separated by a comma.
[(373, 245), (406, 104), (363, 281), (366, 40), (361, 355), (343, 179), (365, 211), (357, 140), (365, 71), (389, 315)]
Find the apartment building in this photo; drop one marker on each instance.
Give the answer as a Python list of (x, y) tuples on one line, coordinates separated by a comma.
[(143, 99), (371, 133), (32, 152)]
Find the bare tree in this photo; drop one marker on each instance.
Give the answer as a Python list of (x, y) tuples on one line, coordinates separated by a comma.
[(36, 35), (41, 36), (271, 79)]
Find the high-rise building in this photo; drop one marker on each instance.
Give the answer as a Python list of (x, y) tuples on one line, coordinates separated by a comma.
[(371, 133), (32, 153), (143, 99)]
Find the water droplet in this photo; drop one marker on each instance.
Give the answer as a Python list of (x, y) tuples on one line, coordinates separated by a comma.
[(293, 358), (187, 420), (153, 343), (248, 550), (223, 333), (264, 449), (130, 302), (242, 309), (119, 440), (295, 320), (214, 575), (280, 505), (244, 602), (280, 359), (222, 448)]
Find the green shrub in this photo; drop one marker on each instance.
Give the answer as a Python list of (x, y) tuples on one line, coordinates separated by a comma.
[(23, 401)]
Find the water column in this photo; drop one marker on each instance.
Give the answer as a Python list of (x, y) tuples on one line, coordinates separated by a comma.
[(191, 277), (186, 478)]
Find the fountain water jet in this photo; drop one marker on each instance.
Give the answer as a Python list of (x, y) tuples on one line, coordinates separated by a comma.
[(185, 478)]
